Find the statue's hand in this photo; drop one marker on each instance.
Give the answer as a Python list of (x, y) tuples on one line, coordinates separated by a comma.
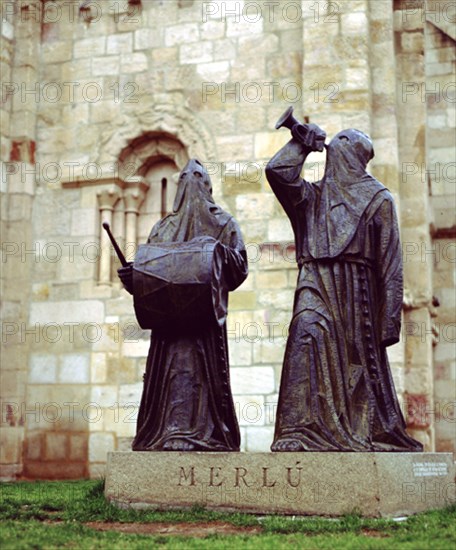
[(126, 276), (310, 135)]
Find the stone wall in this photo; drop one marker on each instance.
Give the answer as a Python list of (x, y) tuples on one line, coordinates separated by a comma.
[(441, 172), (120, 88)]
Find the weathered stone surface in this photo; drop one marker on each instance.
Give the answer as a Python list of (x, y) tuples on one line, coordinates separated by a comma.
[(375, 484)]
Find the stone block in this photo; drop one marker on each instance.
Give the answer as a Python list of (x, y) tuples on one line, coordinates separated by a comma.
[(396, 353), (268, 143), (244, 26), (212, 30), (165, 56), (66, 312), (108, 65), (254, 206), (319, 53), (272, 279), (139, 348), (242, 299), (104, 396), (245, 380), (408, 20), (249, 409), (56, 446), (200, 52), (43, 369), (34, 446), (234, 148), (238, 322), (259, 438), (280, 230), (78, 447), (281, 299), (264, 43), (320, 484), (98, 369), (79, 269), (148, 38), (214, 72), (288, 65), (7, 30), (240, 350), (57, 52), (120, 43), (133, 63), (182, 34), (55, 470), (357, 78), (100, 444), (412, 42), (270, 352), (74, 368), (89, 47), (224, 49), (130, 393), (354, 23), (11, 447), (121, 420)]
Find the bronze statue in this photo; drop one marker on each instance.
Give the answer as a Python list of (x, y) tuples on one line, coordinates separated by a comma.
[(180, 282), (337, 392)]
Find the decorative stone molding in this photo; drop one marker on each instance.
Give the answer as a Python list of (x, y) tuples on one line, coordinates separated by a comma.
[(160, 121), (144, 150)]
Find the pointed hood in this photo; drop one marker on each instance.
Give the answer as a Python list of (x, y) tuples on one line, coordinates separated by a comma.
[(346, 192), (195, 213)]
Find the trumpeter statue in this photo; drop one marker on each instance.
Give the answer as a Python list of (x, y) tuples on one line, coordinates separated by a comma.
[(337, 392)]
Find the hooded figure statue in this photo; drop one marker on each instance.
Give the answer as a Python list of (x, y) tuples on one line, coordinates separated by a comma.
[(337, 392), (186, 403)]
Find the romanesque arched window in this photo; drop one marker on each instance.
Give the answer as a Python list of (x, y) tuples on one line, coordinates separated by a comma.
[(143, 193)]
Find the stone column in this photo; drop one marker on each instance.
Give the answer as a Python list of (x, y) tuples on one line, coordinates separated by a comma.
[(384, 131), (107, 199), (415, 221), (134, 194), (20, 35)]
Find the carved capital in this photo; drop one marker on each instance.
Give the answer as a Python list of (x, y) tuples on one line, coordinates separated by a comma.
[(108, 197), (134, 194)]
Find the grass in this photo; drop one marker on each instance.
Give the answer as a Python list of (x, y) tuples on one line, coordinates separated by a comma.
[(48, 515)]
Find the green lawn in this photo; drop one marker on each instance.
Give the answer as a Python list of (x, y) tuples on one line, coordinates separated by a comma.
[(54, 515)]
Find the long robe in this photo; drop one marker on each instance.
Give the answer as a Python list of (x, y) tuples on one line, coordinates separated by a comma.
[(337, 392), (187, 402)]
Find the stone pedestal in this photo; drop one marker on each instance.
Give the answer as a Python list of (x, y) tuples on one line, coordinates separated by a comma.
[(323, 484)]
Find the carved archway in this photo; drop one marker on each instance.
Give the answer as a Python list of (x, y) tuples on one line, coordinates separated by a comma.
[(147, 149), (148, 121)]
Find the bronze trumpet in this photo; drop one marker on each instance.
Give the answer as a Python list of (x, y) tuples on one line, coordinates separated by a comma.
[(289, 121)]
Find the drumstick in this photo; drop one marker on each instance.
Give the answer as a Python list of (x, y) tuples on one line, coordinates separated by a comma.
[(119, 253)]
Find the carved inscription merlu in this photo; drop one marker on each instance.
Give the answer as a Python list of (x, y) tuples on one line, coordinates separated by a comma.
[(238, 476)]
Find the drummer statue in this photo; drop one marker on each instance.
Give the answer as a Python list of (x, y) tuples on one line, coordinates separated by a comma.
[(180, 282)]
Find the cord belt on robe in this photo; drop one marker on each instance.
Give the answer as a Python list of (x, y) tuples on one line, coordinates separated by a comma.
[(343, 258)]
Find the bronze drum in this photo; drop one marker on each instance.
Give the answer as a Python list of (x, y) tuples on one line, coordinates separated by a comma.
[(173, 284)]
